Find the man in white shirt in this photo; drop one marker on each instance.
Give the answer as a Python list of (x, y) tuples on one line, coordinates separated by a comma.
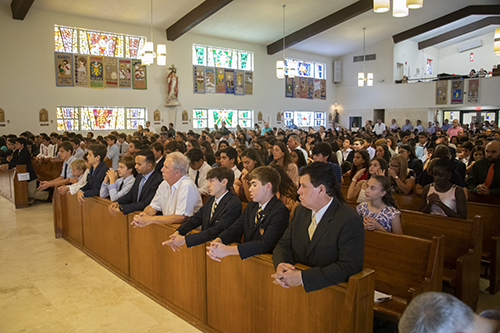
[(419, 126), (228, 158), (113, 151), (379, 128), (421, 147), (198, 169), (46, 149), (177, 196), (294, 143), (122, 144), (149, 127)]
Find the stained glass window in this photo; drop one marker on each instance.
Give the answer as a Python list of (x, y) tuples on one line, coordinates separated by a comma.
[(305, 118), (220, 57), (93, 118), (319, 70), (74, 40), (310, 69), (211, 117)]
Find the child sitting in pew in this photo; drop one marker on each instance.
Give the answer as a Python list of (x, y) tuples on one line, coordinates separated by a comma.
[(379, 212), (441, 197), (116, 188), (80, 169)]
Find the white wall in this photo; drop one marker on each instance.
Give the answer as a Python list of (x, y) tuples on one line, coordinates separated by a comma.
[(407, 53), (27, 83)]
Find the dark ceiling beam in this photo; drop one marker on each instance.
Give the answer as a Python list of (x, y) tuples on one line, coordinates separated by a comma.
[(20, 8), (325, 23), (195, 17), (459, 32), (443, 20)]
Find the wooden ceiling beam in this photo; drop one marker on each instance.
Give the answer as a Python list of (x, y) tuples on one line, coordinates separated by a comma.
[(325, 23), (444, 20), (459, 32), (195, 17), (20, 8)]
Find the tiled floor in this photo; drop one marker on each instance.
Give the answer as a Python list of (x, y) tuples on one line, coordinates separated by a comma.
[(47, 285)]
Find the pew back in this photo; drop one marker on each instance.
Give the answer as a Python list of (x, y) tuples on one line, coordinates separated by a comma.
[(11, 188)]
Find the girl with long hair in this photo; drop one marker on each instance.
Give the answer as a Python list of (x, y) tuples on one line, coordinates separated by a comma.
[(357, 188), (287, 191), (402, 178), (251, 159), (380, 211), (282, 157), (360, 161)]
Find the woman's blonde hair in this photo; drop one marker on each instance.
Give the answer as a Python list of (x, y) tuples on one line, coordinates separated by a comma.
[(78, 164), (403, 166)]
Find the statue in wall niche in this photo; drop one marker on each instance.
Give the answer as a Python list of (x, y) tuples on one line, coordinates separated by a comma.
[(2, 116), (278, 117), (43, 115), (259, 116), (185, 117), (172, 87), (156, 116)]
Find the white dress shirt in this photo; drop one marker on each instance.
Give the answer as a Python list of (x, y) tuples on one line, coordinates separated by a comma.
[(82, 180), (45, 150), (182, 198), (122, 148), (371, 151), (379, 129), (202, 178), (67, 165), (237, 172)]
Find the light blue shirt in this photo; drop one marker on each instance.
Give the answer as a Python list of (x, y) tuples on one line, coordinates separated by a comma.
[(113, 191), (113, 154), (67, 166)]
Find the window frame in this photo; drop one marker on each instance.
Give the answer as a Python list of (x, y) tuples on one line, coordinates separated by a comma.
[(210, 122), (318, 118), (236, 59)]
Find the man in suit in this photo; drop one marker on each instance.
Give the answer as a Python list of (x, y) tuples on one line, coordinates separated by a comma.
[(325, 234), (145, 185), (97, 173), (159, 152), (261, 224), (222, 208), (484, 178)]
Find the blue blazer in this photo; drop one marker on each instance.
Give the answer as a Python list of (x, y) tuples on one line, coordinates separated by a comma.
[(94, 180)]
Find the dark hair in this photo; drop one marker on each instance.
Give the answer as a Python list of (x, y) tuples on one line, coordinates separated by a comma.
[(410, 149), (387, 153), (231, 153), (208, 147), (286, 186), (224, 142), (122, 135), (444, 162), (195, 155), (75, 140), (21, 141), (194, 143), (366, 161), (222, 173), (263, 148), (388, 199), (476, 148), (253, 154), (98, 150), (467, 145), (384, 165), (129, 161), (158, 147), (148, 154), (302, 160), (287, 160), (322, 148), (321, 174), (172, 146), (265, 175), (441, 150), (112, 137), (136, 143), (66, 146)]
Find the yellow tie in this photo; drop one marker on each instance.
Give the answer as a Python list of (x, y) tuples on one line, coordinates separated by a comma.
[(258, 216), (312, 226), (214, 207)]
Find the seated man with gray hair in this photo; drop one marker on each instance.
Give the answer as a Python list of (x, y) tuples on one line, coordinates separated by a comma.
[(435, 312), (177, 196)]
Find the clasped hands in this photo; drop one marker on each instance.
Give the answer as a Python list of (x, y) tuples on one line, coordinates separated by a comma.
[(176, 241), (482, 189), (287, 276), (217, 250), (141, 220)]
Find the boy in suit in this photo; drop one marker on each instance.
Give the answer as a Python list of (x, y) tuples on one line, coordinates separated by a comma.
[(222, 208), (159, 151), (144, 188), (116, 188), (97, 172), (261, 224), (325, 234)]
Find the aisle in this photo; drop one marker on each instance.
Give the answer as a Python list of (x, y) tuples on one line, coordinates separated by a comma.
[(47, 285)]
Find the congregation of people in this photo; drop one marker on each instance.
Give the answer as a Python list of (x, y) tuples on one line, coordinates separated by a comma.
[(269, 190)]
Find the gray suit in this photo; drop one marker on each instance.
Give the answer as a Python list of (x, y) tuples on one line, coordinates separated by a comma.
[(335, 251)]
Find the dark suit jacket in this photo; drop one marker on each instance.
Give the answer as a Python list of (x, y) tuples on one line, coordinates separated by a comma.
[(160, 165), (227, 211), (94, 181), (262, 237), (23, 157), (129, 200), (350, 156), (335, 251), (480, 172)]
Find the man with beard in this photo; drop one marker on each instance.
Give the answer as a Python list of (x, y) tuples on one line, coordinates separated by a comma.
[(484, 179)]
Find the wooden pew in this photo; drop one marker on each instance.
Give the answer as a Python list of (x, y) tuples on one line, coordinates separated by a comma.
[(71, 219), (462, 256), (46, 169), (404, 267), (173, 278), (106, 235), (11, 188), (244, 289)]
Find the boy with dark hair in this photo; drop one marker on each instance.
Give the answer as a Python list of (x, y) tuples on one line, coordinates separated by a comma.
[(96, 174), (77, 150), (222, 208), (66, 154), (116, 188), (122, 144), (261, 224), (229, 159), (198, 169), (322, 152), (113, 153), (158, 150)]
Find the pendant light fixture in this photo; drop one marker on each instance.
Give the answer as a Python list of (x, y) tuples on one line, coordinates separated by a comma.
[(496, 42), (414, 4), (361, 75), (400, 8), (280, 64), (147, 58), (381, 6)]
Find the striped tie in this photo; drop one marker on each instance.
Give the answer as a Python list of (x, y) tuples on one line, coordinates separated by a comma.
[(258, 216), (214, 207)]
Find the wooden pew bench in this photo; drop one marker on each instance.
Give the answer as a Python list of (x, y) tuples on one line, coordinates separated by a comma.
[(11, 188), (46, 169), (404, 267), (462, 255)]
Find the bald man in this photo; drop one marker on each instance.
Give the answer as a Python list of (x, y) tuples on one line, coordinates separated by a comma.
[(484, 179)]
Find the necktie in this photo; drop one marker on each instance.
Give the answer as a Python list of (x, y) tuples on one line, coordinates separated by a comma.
[(66, 171), (489, 176), (120, 149), (258, 216), (143, 180), (197, 177), (214, 207), (312, 226), (120, 187)]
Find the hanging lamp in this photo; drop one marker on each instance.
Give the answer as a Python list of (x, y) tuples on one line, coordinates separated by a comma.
[(147, 58), (361, 75), (280, 64)]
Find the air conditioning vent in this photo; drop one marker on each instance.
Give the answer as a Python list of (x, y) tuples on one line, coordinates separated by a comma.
[(368, 58), (357, 59)]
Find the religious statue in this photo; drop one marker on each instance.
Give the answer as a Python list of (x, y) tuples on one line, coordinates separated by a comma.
[(172, 87), (2, 116), (43, 115), (156, 115), (185, 117)]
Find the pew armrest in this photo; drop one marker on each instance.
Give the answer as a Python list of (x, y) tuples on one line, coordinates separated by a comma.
[(468, 270), (421, 288)]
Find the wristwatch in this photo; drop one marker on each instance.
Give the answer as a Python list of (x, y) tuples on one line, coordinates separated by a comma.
[(120, 207), (397, 177)]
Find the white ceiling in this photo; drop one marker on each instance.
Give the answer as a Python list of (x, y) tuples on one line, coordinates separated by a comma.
[(260, 21)]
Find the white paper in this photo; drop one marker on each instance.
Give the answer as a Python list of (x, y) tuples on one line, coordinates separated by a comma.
[(381, 297), (23, 176)]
